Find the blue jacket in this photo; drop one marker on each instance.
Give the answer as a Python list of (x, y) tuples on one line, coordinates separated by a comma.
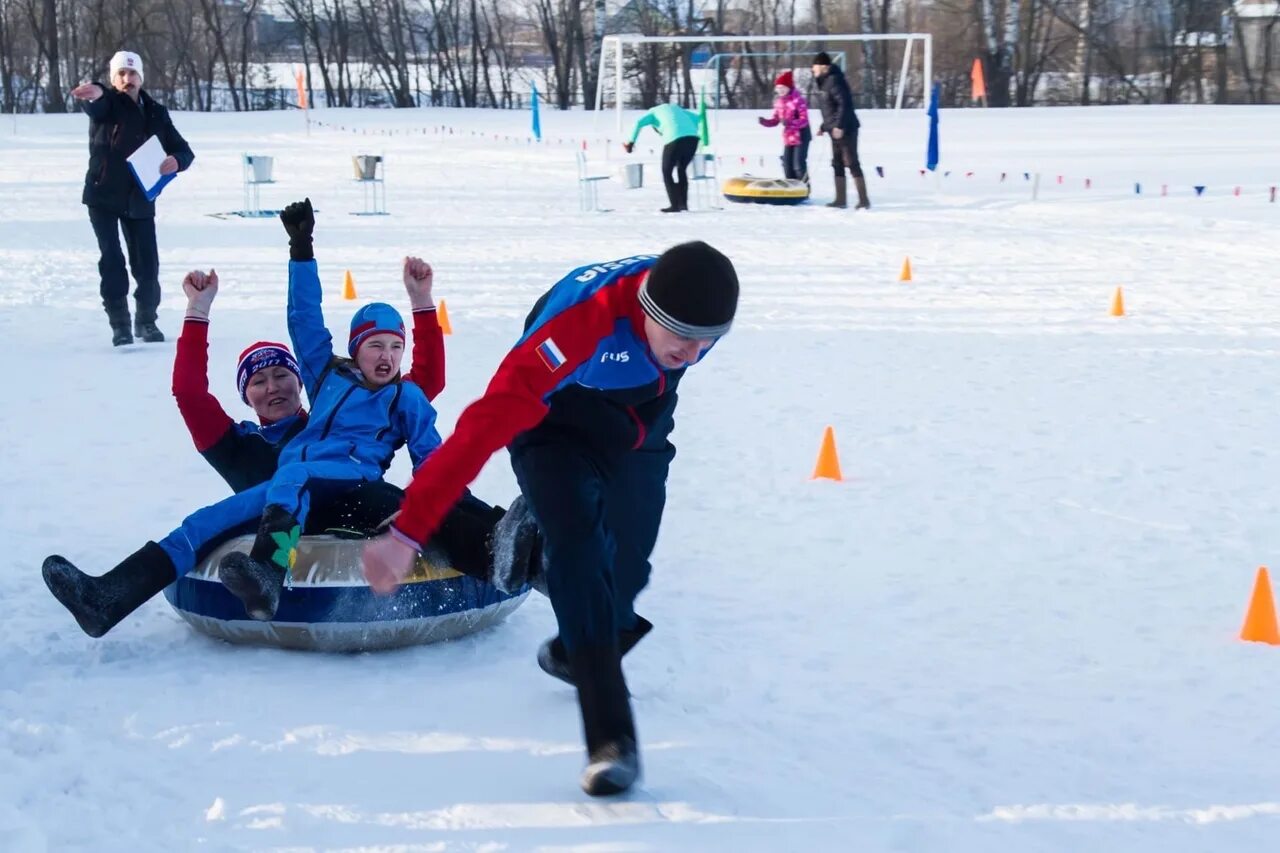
[(350, 419)]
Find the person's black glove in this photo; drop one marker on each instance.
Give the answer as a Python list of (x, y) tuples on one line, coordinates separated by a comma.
[(299, 221), (629, 146)]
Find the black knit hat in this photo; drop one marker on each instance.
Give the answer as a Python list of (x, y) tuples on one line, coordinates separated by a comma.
[(822, 58), (691, 290)]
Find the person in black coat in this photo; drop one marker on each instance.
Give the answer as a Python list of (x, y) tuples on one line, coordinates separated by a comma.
[(841, 121), (121, 118)]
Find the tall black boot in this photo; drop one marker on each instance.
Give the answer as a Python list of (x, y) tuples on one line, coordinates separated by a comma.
[(144, 325), (100, 603), (118, 317), (257, 578), (864, 203), (554, 661), (517, 551), (842, 193), (613, 759)]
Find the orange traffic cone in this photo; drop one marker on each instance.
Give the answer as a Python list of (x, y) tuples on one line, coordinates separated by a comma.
[(828, 467), (905, 275), (1260, 620), (348, 286), (1117, 303), (442, 316)]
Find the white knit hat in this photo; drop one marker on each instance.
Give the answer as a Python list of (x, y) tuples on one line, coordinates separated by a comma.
[(126, 59)]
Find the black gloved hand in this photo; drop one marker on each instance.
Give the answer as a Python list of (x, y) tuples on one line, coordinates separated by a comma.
[(299, 221), (629, 146)]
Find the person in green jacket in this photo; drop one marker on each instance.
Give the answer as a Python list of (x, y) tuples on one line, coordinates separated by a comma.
[(678, 128)]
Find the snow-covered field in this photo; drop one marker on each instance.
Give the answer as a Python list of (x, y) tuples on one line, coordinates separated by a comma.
[(1012, 628)]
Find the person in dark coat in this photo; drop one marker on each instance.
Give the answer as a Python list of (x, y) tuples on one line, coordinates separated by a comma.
[(586, 403), (121, 118), (841, 121)]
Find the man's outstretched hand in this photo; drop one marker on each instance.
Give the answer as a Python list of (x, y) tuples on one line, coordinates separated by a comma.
[(87, 92), (387, 561)]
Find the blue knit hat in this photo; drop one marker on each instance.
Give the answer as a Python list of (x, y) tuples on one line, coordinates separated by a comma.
[(260, 356), (373, 319)]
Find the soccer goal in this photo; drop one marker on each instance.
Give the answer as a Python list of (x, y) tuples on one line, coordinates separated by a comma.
[(613, 50)]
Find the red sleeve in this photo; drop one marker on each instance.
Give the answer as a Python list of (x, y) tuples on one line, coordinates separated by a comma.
[(426, 368), (205, 418), (511, 404)]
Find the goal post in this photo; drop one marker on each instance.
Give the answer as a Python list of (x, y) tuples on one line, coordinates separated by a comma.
[(613, 47)]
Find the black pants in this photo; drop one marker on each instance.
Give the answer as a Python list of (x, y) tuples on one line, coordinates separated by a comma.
[(844, 152), (144, 261), (676, 157), (599, 518), (795, 158), (463, 536)]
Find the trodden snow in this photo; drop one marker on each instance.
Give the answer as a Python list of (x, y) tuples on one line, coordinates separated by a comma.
[(1013, 627)]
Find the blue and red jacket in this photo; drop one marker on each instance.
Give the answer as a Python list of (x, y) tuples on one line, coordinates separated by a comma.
[(246, 453), (583, 368)]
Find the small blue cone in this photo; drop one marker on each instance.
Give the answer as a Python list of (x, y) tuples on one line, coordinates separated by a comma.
[(1200, 190), (1137, 189)]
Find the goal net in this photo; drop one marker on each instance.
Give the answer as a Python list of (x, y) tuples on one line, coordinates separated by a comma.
[(893, 69)]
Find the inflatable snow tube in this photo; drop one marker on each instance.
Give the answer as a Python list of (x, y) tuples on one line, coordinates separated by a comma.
[(749, 189), (327, 605)]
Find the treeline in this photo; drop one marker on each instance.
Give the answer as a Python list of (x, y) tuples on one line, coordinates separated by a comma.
[(240, 54)]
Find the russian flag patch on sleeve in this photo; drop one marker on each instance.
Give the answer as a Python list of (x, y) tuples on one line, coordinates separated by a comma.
[(550, 354)]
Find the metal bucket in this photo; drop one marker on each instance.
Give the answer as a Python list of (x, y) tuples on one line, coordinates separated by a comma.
[(261, 166), (366, 166), (633, 175)]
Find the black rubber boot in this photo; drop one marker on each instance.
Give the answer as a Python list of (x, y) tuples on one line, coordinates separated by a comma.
[(554, 661), (864, 203), (517, 550), (144, 326), (100, 603), (613, 759), (257, 578), (842, 193), (118, 317)]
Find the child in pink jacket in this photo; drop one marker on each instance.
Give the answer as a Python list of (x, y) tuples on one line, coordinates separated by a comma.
[(792, 111)]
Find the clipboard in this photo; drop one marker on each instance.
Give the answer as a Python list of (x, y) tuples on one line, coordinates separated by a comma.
[(145, 165)]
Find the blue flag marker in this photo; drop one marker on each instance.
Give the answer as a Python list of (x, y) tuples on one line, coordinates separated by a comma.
[(537, 119), (931, 158)]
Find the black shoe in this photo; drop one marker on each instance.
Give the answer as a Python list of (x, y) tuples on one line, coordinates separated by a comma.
[(118, 316), (675, 208), (100, 603), (254, 583), (611, 768), (257, 578), (147, 331), (554, 661), (613, 761), (517, 555)]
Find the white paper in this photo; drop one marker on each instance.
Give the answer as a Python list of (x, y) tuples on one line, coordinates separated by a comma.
[(145, 163)]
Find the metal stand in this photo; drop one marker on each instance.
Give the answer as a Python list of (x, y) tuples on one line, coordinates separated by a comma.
[(705, 181), (588, 198), (371, 175), (256, 171)]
